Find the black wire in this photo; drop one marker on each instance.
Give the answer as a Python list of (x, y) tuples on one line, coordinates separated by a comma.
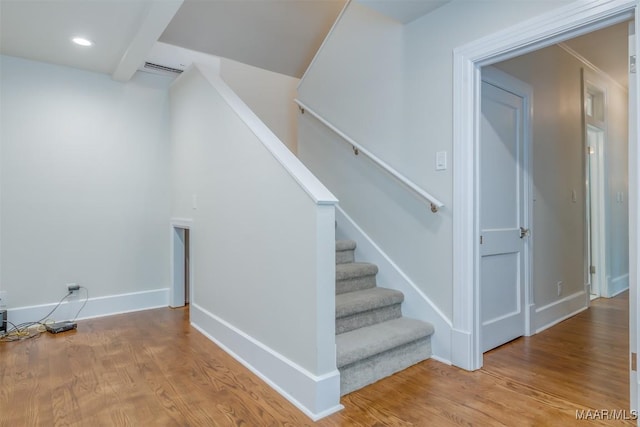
[(54, 308), (11, 323), (83, 304), (22, 327)]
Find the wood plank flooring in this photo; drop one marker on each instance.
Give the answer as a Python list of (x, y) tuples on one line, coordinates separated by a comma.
[(152, 369)]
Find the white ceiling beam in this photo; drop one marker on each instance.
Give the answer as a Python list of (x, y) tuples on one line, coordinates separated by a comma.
[(159, 15)]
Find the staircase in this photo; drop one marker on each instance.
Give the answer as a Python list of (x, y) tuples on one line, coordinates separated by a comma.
[(373, 340)]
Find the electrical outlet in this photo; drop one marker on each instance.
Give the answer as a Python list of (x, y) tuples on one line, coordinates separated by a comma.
[(73, 287), (560, 288), (3, 300)]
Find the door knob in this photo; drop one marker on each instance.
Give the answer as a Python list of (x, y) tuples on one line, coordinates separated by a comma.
[(524, 232)]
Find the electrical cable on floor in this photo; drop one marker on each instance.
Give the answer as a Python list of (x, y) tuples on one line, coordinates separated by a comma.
[(26, 330)]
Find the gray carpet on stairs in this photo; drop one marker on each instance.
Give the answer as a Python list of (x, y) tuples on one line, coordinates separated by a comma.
[(357, 375), (373, 340), (365, 342), (366, 307), (355, 276)]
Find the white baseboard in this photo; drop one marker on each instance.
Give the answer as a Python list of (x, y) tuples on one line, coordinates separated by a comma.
[(557, 311), (96, 306), (316, 396), (618, 285), (462, 350), (530, 327), (416, 304)]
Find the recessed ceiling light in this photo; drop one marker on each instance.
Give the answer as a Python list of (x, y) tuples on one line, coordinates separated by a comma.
[(81, 41)]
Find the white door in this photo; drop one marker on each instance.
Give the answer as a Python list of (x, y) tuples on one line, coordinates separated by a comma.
[(503, 229)]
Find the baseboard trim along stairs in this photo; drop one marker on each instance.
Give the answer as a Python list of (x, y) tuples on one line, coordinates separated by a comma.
[(373, 339)]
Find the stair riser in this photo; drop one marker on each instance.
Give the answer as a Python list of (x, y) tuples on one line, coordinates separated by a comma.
[(372, 369), (367, 318), (345, 257), (355, 284)]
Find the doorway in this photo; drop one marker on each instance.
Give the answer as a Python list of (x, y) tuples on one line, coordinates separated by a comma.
[(596, 232), (181, 267), (537, 33)]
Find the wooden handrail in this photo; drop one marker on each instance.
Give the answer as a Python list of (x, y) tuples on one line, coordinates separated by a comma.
[(357, 149)]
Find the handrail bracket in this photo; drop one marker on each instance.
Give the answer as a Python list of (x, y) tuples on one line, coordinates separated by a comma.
[(357, 149)]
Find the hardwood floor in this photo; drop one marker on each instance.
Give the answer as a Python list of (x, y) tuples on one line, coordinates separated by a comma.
[(152, 368)]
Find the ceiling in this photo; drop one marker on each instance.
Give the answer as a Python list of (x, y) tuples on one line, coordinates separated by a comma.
[(42, 30), (277, 35)]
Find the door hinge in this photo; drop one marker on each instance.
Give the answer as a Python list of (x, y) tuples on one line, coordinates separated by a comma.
[(481, 239), (592, 269), (634, 360), (632, 64)]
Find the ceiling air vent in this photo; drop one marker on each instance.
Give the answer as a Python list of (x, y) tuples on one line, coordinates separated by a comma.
[(160, 69)]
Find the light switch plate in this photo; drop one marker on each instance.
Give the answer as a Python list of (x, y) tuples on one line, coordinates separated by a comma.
[(441, 160)]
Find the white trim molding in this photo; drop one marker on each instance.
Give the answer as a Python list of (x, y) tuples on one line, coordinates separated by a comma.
[(185, 223), (560, 24), (618, 285), (96, 306), (557, 311), (591, 66), (316, 396)]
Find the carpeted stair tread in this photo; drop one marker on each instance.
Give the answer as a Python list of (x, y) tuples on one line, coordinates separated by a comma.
[(355, 269), (363, 343), (351, 303), (345, 245), (345, 251)]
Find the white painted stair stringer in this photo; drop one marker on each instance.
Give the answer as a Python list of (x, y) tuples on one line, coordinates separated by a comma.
[(416, 304)]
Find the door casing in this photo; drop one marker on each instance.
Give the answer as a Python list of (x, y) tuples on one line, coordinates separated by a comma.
[(553, 27)]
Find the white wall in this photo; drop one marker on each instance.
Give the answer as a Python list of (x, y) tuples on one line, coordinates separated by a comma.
[(262, 249), (389, 87), (84, 183), (270, 95)]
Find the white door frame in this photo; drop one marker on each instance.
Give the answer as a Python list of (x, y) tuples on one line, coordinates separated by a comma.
[(566, 22), (511, 84), (634, 211), (177, 252), (596, 251)]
